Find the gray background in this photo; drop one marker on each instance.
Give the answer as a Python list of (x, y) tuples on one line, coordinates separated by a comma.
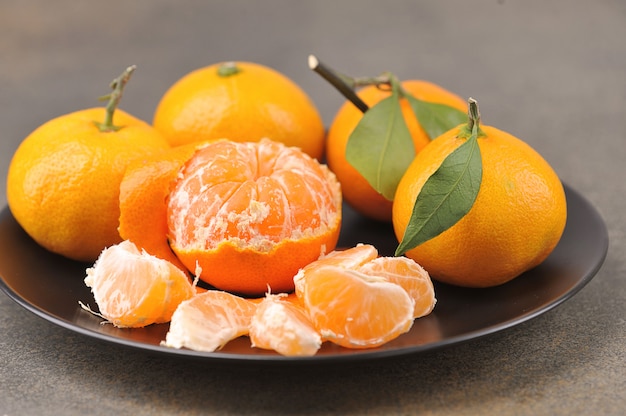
[(550, 72)]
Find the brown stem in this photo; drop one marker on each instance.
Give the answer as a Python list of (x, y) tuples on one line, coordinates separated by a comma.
[(342, 83)]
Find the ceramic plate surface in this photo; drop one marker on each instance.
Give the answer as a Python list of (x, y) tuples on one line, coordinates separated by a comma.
[(51, 287)]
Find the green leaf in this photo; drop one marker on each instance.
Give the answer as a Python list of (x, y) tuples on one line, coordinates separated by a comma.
[(380, 147), (434, 118), (447, 195)]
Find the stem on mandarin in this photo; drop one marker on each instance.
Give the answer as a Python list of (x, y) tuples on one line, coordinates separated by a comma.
[(227, 69), (117, 85), (344, 84), (473, 121), (473, 114)]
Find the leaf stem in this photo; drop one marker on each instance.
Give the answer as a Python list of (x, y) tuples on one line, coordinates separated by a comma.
[(345, 85), (383, 79), (117, 85)]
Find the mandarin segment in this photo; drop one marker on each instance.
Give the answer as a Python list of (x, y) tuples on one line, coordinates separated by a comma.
[(283, 326), (356, 310), (359, 300), (252, 214), (134, 289), (209, 320), (408, 274), (351, 258)]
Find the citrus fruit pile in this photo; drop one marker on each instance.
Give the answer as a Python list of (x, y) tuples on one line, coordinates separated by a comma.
[(222, 220), (249, 218), (475, 205)]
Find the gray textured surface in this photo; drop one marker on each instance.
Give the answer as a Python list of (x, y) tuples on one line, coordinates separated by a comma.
[(550, 72)]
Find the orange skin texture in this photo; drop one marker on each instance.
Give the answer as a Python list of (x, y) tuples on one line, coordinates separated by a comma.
[(250, 215), (516, 221), (249, 272), (143, 193), (356, 190), (255, 103), (68, 173)]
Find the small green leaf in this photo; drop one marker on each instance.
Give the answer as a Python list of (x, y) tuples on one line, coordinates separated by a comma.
[(447, 195), (435, 118), (380, 147)]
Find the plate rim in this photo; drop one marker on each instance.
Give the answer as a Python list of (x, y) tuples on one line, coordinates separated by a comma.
[(352, 357)]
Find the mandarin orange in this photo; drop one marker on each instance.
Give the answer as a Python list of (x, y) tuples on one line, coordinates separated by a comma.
[(242, 101), (63, 180), (517, 218)]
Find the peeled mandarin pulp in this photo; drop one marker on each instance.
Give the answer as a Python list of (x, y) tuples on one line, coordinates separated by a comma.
[(355, 310), (209, 320), (252, 214), (359, 300), (135, 289), (351, 258), (408, 274), (356, 190), (351, 297), (516, 221), (284, 327)]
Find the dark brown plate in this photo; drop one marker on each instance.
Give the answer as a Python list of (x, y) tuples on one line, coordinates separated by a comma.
[(51, 287)]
